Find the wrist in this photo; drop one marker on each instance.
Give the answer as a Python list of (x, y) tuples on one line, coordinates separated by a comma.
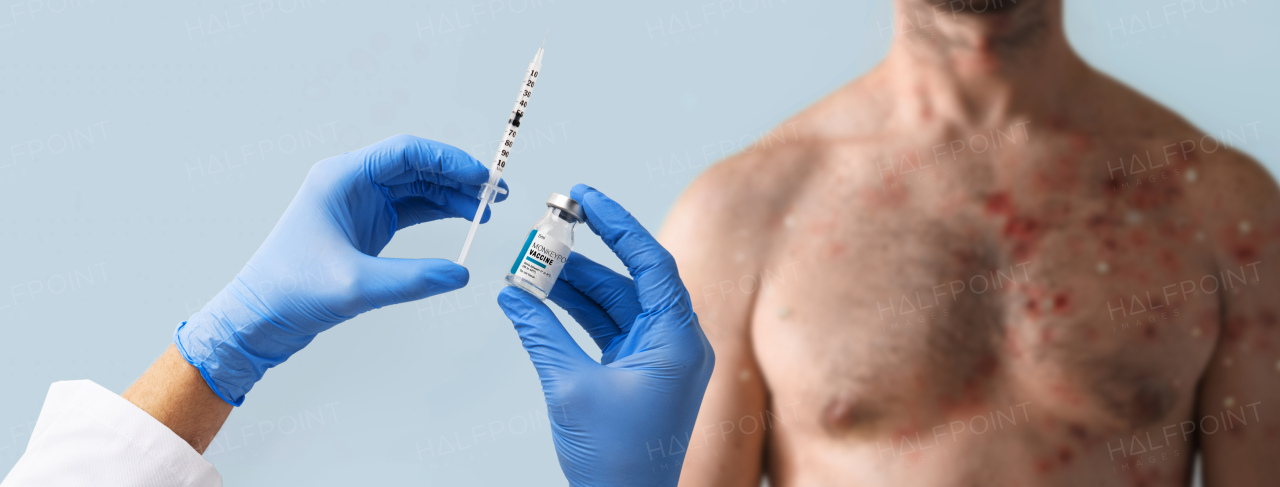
[(173, 393)]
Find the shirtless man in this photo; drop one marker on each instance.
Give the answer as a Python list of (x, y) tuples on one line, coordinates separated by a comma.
[(985, 264)]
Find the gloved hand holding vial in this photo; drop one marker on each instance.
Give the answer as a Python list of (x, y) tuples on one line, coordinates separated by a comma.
[(655, 360)]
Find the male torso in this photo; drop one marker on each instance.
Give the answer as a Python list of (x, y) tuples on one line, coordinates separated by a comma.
[(911, 290), (1009, 302)]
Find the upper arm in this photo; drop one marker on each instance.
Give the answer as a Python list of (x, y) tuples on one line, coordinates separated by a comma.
[(702, 233), (1240, 390)]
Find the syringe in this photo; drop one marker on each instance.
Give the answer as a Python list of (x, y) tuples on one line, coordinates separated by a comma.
[(490, 190)]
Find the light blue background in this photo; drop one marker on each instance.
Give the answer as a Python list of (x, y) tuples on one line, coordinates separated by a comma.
[(141, 203)]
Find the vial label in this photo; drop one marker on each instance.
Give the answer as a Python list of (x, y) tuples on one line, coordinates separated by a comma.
[(541, 260)]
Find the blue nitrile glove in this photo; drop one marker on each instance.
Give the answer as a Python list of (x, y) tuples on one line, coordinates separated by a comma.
[(318, 267), (613, 422)]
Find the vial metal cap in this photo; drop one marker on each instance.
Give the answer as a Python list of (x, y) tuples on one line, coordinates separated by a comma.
[(566, 204)]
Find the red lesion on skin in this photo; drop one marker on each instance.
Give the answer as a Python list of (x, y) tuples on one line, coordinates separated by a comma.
[(1066, 455), (998, 203), (836, 249), (1110, 187), (1100, 223), (1062, 457), (1243, 247), (1033, 303), (1024, 233), (1061, 301), (1097, 222), (1149, 331), (1078, 431), (1245, 253)]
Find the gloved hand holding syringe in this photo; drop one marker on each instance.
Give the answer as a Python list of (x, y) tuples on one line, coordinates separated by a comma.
[(491, 190)]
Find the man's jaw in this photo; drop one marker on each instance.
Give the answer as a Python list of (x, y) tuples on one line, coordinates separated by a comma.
[(977, 7), (1001, 29)]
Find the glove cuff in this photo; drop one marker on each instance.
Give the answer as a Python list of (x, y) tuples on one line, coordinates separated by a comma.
[(182, 334), (233, 340)]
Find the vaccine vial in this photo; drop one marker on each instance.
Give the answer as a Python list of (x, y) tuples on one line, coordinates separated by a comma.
[(547, 248)]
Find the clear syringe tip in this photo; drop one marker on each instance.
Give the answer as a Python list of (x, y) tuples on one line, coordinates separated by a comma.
[(488, 193)]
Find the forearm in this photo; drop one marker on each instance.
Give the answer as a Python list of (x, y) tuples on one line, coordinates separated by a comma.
[(173, 392)]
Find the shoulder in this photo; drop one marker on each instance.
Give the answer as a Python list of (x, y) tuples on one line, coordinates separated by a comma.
[(755, 187), (1236, 201), (1223, 181), (746, 191), (1234, 183)]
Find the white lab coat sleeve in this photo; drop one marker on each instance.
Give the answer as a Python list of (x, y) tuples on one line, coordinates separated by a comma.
[(87, 435)]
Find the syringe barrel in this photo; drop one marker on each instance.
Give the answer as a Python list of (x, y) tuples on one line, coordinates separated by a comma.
[(513, 123)]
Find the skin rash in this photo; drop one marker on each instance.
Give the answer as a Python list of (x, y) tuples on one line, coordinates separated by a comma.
[(985, 263)]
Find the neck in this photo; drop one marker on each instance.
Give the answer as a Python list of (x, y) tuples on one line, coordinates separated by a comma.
[(978, 61)]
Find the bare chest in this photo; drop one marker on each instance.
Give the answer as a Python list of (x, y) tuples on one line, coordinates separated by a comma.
[(905, 304)]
